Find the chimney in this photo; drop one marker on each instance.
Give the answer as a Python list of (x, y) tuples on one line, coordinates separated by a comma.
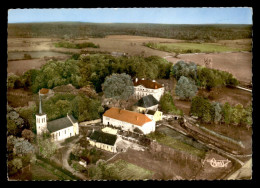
[(136, 79), (136, 117)]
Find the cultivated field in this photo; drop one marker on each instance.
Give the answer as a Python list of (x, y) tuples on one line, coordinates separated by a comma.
[(237, 63), (129, 171)]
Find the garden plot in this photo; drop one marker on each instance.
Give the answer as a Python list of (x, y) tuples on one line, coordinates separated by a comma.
[(129, 171), (178, 141)]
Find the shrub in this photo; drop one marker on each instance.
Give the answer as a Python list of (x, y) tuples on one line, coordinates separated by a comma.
[(167, 104), (27, 56), (185, 88), (201, 108)]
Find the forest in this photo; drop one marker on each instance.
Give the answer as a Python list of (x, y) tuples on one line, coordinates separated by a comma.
[(204, 33)]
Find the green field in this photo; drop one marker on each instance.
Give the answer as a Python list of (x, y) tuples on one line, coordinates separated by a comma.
[(184, 48), (44, 171), (129, 171)]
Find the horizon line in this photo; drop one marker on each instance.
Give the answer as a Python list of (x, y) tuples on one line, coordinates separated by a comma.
[(133, 23)]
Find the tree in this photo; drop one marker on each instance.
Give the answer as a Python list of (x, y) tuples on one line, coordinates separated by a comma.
[(167, 104), (118, 86), (15, 123), (185, 88), (46, 148), (226, 113), (201, 108), (11, 80), (237, 114), (182, 68), (28, 135), (247, 116), (216, 114)]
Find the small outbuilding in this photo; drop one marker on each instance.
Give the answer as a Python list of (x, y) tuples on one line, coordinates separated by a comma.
[(103, 141)]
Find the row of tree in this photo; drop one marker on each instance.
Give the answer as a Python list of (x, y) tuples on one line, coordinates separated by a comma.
[(89, 70), (190, 77), (209, 112)]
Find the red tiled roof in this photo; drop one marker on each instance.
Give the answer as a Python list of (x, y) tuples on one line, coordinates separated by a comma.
[(44, 91), (148, 84), (127, 116)]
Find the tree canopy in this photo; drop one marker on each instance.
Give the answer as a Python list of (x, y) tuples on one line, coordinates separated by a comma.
[(118, 86), (185, 88)]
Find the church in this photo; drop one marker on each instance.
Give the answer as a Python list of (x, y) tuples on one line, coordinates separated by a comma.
[(59, 129)]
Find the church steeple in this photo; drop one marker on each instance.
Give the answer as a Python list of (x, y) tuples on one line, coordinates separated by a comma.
[(40, 105), (41, 119)]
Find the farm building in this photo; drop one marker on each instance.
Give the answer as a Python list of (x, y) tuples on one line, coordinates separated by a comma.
[(147, 87), (128, 120), (154, 115), (147, 102), (59, 129), (103, 141)]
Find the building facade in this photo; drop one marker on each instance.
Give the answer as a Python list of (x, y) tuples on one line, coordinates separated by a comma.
[(154, 115), (59, 129), (147, 87), (128, 120), (103, 141)]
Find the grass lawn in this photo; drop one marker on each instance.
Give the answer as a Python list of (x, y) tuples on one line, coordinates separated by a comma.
[(44, 171), (129, 171), (40, 173), (192, 47)]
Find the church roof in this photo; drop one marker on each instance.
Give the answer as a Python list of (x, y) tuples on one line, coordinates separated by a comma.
[(60, 123), (147, 101), (148, 84), (127, 116), (44, 91), (102, 137)]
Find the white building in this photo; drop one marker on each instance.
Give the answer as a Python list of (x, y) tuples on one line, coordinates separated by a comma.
[(103, 141), (147, 87), (59, 129), (128, 120)]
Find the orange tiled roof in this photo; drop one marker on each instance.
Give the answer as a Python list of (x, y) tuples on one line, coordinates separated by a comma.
[(127, 116), (44, 91), (148, 84)]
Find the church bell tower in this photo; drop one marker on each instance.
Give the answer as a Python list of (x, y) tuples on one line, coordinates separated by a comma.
[(41, 119)]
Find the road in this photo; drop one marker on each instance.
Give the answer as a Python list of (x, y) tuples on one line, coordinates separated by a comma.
[(65, 157), (244, 172)]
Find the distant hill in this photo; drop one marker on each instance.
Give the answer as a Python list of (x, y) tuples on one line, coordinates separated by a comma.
[(211, 32)]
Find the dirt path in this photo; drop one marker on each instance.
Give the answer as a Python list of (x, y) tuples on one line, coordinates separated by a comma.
[(65, 157)]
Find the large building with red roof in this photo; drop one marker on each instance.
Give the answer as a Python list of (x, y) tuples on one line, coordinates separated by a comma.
[(147, 87), (128, 120)]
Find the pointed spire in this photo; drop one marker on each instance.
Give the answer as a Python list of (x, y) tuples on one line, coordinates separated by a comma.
[(40, 105)]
